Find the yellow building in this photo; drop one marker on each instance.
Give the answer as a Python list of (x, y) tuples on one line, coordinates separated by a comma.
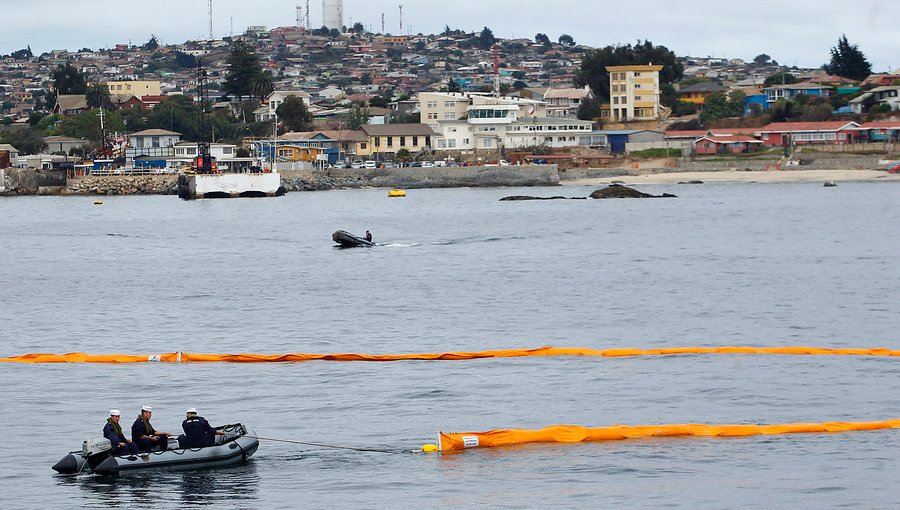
[(137, 89), (388, 139), (634, 92)]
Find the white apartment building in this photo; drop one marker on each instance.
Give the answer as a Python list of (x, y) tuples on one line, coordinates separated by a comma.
[(498, 127), (437, 107), (634, 92), (566, 102)]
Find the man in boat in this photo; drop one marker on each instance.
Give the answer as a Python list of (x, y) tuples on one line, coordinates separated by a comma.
[(197, 431), (121, 445), (368, 236), (145, 436)]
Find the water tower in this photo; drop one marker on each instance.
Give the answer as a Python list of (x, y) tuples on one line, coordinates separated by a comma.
[(333, 13)]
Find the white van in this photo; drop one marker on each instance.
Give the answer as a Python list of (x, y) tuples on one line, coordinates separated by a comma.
[(371, 165)]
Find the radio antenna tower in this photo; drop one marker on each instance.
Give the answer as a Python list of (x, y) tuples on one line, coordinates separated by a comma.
[(308, 19), (299, 16), (210, 20), (382, 22), (401, 19)]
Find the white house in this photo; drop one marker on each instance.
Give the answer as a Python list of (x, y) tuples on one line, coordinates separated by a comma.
[(153, 138)]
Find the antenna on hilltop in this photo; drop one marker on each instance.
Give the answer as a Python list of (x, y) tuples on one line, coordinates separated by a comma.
[(210, 20), (299, 16), (401, 19), (308, 19), (382, 22)]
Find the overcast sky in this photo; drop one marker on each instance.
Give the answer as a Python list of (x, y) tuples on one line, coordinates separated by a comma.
[(797, 33)]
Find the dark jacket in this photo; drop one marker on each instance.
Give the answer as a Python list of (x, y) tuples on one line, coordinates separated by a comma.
[(198, 432), (109, 432), (138, 430)]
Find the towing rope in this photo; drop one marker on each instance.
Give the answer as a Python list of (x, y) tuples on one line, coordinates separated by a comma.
[(330, 446), (186, 357)]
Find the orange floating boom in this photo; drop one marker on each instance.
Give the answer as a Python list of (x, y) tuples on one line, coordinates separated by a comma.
[(186, 357), (458, 441)]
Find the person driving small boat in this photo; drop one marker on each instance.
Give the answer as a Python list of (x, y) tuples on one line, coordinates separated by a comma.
[(197, 431)]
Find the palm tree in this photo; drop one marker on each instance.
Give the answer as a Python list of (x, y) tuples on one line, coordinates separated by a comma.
[(97, 96), (262, 85)]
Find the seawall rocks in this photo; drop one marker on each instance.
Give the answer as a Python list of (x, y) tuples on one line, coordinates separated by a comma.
[(123, 185)]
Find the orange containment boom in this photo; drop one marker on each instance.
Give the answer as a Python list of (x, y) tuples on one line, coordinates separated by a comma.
[(186, 357), (458, 441)]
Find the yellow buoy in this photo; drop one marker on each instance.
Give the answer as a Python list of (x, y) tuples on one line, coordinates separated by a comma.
[(98, 202), (430, 448), (396, 193)]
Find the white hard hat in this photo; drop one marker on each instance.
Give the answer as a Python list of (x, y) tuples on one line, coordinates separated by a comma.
[(115, 412), (147, 408), (191, 410)]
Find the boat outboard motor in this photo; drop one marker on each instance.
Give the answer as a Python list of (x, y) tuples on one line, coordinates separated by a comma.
[(74, 462)]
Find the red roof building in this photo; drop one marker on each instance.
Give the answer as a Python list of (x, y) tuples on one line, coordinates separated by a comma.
[(726, 144), (810, 133)]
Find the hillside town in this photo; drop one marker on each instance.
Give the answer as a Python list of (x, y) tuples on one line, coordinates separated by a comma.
[(293, 97)]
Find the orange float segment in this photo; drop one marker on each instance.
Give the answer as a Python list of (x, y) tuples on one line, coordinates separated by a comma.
[(458, 441), (77, 357)]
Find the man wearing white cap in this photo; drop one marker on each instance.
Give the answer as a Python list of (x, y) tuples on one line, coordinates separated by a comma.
[(197, 431), (121, 445), (145, 436)]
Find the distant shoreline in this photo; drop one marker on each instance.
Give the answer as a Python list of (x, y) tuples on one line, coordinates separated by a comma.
[(739, 176)]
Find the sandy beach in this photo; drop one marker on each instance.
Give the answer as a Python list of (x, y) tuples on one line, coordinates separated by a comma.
[(774, 176)]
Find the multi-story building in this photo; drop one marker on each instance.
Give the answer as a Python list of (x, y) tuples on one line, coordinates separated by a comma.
[(385, 140), (490, 129), (634, 92), (436, 107), (267, 112), (566, 102), (137, 89)]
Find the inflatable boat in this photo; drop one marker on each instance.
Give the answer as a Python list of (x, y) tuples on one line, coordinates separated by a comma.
[(345, 239), (237, 445)]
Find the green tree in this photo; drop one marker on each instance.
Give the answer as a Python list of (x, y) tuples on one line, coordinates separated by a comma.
[(294, 115), (485, 39), (262, 84), (358, 28), (152, 44), (542, 39), (593, 64), (28, 141), (589, 109), (403, 155), (87, 125), (453, 86), (761, 59), (68, 80), (378, 102), (243, 68), (23, 54), (668, 96), (357, 117), (97, 96), (566, 40), (365, 79), (847, 61), (780, 79), (719, 105)]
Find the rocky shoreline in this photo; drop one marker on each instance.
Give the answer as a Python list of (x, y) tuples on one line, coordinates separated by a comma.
[(18, 182)]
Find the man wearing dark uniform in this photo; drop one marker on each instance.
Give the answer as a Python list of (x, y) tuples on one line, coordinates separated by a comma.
[(145, 436), (112, 431), (197, 431)]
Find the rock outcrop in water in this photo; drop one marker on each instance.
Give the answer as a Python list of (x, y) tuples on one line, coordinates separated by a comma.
[(619, 191), (613, 191)]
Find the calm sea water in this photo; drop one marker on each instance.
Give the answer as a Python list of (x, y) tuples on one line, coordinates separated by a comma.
[(724, 264)]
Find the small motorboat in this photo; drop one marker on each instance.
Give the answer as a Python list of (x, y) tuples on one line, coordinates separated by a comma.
[(237, 445), (396, 193), (345, 239)]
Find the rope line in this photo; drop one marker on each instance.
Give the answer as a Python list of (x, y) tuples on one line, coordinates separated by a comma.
[(330, 446), (186, 357)]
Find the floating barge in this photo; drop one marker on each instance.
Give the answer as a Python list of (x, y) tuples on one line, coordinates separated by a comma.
[(229, 185)]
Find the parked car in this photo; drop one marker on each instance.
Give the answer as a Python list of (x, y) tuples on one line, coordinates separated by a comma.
[(356, 165), (340, 164), (390, 164), (415, 164), (427, 164)]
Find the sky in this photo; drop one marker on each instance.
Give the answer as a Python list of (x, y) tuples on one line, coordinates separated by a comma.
[(798, 33)]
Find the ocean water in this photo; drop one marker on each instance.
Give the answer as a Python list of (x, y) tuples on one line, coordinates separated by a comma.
[(458, 270)]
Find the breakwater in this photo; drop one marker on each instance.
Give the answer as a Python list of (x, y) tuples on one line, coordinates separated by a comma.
[(415, 178)]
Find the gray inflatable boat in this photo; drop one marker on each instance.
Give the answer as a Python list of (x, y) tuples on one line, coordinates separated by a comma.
[(237, 445)]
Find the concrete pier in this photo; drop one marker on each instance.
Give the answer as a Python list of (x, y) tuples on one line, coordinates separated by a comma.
[(229, 185)]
